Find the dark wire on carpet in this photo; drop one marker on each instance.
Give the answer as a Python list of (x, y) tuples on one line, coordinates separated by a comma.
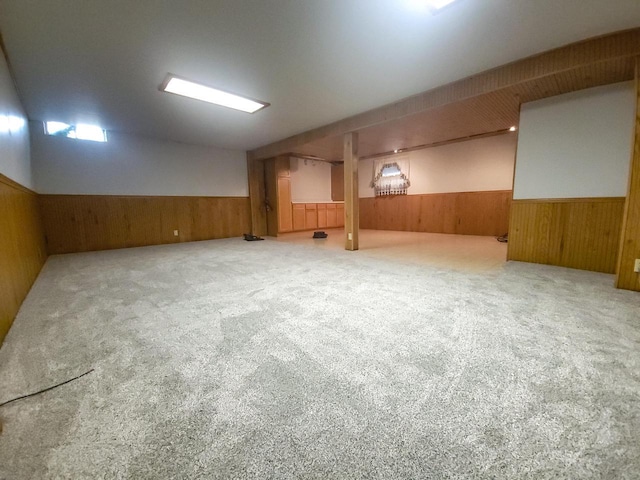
[(46, 389)]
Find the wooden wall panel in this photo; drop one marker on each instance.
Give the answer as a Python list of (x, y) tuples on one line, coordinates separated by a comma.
[(270, 182), (22, 248), (257, 195), (80, 223), (630, 237), (465, 213), (578, 233)]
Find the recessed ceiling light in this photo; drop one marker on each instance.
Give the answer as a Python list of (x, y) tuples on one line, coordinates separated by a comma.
[(395, 151), (512, 129), (186, 88)]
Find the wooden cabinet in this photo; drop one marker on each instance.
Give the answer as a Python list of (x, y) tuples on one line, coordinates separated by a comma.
[(295, 217), (285, 221), (322, 215), (340, 215), (298, 216), (332, 220), (311, 216), (277, 184)]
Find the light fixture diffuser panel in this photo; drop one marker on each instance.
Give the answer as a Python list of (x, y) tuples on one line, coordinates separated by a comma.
[(433, 6), (438, 4), (197, 91)]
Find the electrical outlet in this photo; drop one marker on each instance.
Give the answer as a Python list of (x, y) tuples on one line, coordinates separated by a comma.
[(636, 267), (350, 236), (175, 233)]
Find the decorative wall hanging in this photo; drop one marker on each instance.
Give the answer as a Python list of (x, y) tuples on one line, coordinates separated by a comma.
[(391, 176)]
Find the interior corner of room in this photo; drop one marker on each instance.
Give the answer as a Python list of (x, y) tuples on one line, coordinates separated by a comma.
[(561, 198), (536, 147)]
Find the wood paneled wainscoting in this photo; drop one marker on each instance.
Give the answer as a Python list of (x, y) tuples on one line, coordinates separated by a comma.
[(630, 238), (464, 213), (581, 233), (22, 248), (80, 223)]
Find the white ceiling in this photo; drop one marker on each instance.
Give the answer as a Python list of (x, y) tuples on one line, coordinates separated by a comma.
[(315, 61)]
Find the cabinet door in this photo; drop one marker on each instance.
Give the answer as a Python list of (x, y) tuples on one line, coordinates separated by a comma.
[(340, 215), (322, 215), (285, 223), (332, 220), (298, 216), (311, 216)]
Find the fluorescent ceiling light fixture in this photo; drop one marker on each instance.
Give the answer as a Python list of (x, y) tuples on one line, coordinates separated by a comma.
[(438, 4), (431, 5), (187, 88), (81, 131)]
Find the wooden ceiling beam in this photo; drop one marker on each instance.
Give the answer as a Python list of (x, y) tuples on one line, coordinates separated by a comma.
[(577, 56)]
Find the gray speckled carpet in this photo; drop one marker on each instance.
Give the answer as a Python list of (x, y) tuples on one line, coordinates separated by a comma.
[(229, 359)]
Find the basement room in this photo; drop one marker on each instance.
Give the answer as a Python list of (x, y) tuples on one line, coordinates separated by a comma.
[(320, 239)]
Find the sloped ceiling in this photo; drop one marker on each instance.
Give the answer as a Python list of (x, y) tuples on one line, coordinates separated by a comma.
[(101, 61)]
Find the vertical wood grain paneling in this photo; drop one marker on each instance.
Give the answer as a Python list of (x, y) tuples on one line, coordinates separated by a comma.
[(578, 233), (257, 194), (271, 196), (630, 238), (22, 249), (80, 223), (465, 213), (351, 196)]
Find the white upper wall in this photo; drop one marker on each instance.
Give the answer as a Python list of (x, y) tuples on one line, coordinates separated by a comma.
[(132, 165), (483, 164), (576, 145), (310, 181), (14, 132)]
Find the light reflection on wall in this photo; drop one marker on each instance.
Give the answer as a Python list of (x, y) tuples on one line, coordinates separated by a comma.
[(11, 124)]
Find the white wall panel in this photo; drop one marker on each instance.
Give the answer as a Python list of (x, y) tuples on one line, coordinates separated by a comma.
[(477, 165), (133, 165), (310, 181), (14, 132), (576, 145)]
